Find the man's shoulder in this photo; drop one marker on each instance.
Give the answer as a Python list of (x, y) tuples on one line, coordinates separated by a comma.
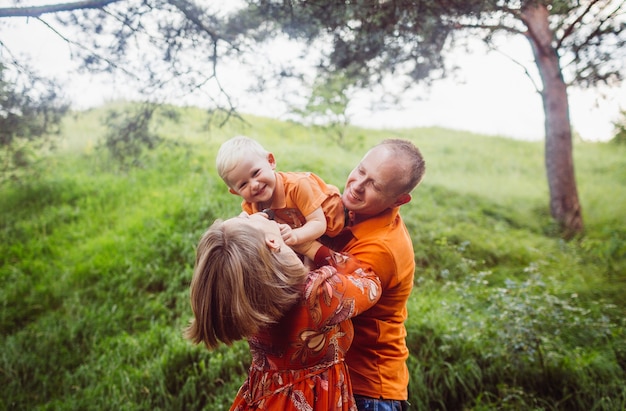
[(392, 236), (391, 239), (386, 232)]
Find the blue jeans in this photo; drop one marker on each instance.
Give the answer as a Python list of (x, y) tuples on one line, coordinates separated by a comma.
[(375, 404)]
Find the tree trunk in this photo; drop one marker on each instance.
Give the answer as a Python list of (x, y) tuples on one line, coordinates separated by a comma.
[(564, 204)]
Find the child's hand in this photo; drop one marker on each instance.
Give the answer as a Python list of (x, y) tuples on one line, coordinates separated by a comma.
[(289, 236), (269, 213)]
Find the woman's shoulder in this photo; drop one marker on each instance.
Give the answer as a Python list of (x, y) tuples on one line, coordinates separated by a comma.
[(319, 275)]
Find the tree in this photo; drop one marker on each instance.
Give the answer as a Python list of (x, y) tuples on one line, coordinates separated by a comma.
[(166, 48), (31, 109), (37, 11), (620, 129), (161, 47), (586, 39), (581, 40)]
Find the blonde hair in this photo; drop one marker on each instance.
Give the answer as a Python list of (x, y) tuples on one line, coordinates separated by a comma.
[(239, 286), (232, 151)]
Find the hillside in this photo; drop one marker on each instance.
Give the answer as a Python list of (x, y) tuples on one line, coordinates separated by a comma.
[(96, 261)]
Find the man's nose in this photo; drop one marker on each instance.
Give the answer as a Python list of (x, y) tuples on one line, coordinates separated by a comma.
[(358, 185)]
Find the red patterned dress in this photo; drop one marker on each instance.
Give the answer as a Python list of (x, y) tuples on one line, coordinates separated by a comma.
[(298, 364)]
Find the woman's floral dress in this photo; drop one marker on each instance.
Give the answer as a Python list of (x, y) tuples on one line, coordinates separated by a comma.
[(299, 363)]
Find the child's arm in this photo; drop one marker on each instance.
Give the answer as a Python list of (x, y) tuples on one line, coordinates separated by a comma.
[(313, 229)]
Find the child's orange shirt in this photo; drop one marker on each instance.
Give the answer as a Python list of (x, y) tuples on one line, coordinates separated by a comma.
[(298, 194)]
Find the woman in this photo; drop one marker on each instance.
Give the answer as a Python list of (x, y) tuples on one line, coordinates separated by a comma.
[(248, 284)]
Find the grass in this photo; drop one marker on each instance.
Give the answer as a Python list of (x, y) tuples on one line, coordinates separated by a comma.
[(95, 264)]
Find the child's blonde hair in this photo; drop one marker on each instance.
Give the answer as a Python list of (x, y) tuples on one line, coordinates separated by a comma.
[(239, 286), (233, 151)]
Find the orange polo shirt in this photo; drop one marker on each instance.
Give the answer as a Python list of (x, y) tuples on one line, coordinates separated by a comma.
[(377, 356), (298, 194)]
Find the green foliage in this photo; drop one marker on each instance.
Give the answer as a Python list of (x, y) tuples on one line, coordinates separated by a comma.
[(364, 41), (130, 133), (519, 346), (31, 110), (95, 268), (326, 105)]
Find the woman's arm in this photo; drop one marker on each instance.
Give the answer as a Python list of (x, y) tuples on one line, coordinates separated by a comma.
[(342, 288)]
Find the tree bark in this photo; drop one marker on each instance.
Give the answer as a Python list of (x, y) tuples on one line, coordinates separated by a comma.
[(37, 11), (564, 204)]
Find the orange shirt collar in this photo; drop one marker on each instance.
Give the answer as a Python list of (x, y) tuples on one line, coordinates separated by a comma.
[(385, 218)]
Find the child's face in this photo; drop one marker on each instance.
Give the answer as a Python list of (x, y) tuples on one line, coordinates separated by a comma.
[(254, 179)]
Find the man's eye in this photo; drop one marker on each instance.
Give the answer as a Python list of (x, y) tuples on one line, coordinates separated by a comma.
[(376, 187)]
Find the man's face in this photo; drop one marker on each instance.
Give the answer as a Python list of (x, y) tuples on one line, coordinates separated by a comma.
[(374, 185)]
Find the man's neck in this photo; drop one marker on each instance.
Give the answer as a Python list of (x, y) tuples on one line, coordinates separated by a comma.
[(359, 218)]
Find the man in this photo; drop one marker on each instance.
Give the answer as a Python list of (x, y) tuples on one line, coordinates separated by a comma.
[(376, 235)]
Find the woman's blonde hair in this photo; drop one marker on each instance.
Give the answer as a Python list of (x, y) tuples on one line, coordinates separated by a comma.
[(239, 286)]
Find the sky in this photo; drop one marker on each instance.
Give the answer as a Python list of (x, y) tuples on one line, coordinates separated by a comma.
[(490, 93)]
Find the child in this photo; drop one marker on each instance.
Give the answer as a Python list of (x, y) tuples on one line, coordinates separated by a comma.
[(303, 201), (248, 284)]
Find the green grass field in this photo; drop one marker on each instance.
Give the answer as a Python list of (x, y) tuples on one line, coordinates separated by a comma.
[(95, 263)]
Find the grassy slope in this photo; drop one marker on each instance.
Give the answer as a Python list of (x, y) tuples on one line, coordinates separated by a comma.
[(95, 265)]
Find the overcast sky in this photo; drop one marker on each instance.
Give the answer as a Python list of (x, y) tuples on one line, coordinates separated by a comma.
[(491, 95)]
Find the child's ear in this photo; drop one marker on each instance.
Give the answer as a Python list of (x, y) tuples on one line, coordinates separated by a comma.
[(230, 190), (271, 160)]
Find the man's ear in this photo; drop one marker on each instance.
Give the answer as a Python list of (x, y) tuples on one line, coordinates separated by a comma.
[(402, 199)]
